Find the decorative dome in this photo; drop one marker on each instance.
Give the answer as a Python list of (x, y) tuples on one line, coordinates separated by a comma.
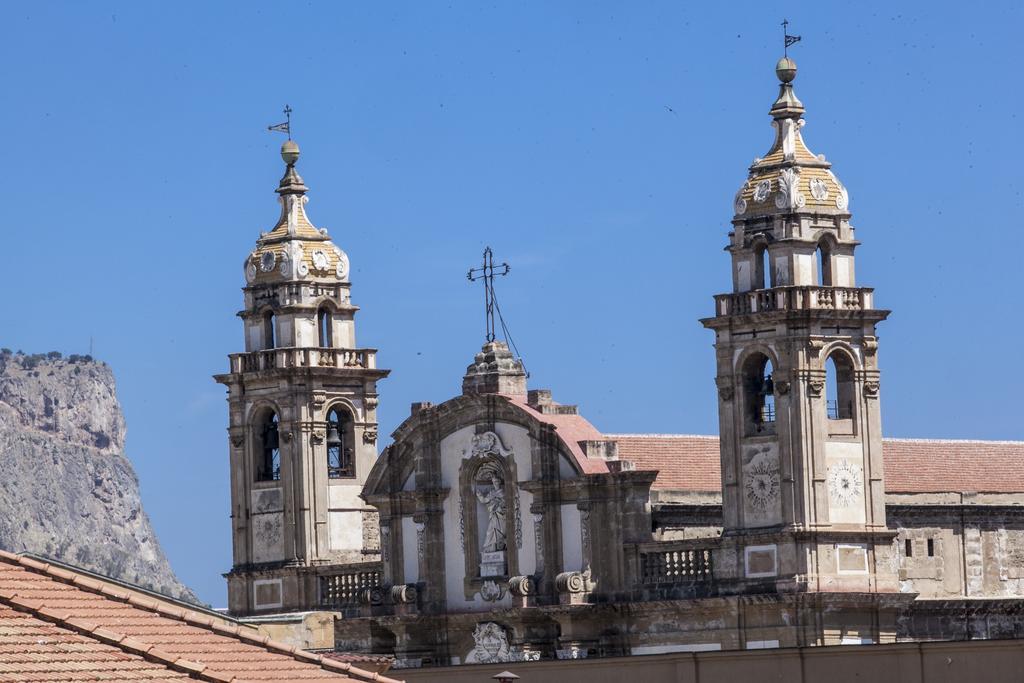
[(294, 249), (789, 178)]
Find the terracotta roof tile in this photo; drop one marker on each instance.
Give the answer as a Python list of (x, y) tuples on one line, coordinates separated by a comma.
[(691, 463), (59, 625)]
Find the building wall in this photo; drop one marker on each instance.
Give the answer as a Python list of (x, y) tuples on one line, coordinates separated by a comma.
[(931, 662)]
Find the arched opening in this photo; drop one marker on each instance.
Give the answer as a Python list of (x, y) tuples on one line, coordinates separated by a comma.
[(341, 463), (268, 449), (839, 386), (759, 394), (824, 263), (324, 323), (268, 330), (762, 267)]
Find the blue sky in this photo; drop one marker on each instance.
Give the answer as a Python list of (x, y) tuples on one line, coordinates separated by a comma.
[(595, 146)]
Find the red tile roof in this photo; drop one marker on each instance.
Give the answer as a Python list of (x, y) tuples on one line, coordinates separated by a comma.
[(691, 463), (60, 625)]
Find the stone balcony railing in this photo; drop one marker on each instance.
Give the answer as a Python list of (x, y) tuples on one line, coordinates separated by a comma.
[(351, 586), (795, 299), (674, 565), (254, 361)]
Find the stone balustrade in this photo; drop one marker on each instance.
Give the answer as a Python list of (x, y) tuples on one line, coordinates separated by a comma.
[(256, 361), (675, 564), (794, 299), (351, 585)]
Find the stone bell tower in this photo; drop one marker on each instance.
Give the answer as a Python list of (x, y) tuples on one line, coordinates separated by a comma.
[(302, 416), (798, 381)]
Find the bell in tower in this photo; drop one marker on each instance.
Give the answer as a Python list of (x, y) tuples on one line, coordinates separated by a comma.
[(798, 381), (303, 416)]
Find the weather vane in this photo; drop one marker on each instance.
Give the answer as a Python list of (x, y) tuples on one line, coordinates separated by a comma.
[(486, 272), (286, 127), (787, 39)]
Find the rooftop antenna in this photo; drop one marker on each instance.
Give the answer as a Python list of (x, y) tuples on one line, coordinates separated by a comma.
[(486, 272), (286, 127), (787, 39)]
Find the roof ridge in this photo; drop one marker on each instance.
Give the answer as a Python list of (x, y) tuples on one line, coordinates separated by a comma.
[(190, 617)]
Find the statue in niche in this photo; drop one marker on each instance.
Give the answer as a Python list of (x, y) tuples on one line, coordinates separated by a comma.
[(493, 500)]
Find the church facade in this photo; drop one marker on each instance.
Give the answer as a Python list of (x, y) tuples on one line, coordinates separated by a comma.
[(502, 526)]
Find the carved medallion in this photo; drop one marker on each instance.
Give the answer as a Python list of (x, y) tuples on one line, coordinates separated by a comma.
[(739, 204), (320, 260), (763, 189), (250, 271), (842, 199), (267, 261), (819, 189), (845, 483), (341, 269)]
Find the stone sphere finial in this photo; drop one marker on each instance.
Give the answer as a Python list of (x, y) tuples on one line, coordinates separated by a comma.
[(786, 70), (290, 152)]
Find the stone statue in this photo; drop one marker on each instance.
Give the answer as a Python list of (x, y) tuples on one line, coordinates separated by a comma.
[(494, 501)]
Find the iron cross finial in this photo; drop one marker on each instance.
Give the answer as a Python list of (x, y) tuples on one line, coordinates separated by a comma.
[(787, 39), (286, 126), (486, 272)]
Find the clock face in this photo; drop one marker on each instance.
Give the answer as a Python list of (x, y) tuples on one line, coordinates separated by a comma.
[(763, 189), (267, 261), (845, 483)]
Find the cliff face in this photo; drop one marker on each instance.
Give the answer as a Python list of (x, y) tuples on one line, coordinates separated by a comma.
[(66, 489)]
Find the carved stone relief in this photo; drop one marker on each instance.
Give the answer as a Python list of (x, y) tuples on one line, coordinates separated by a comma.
[(819, 189), (762, 191), (420, 526), (490, 591), (789, 195), (538, 539), (490, 645)]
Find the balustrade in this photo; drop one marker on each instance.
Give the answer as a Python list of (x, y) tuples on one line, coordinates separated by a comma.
[(794, 299), (255, 361), (348, 588), (682, 565)]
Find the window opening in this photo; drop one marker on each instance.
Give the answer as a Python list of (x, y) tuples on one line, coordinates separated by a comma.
[(839, 386), (324, 325), (269, 465), (909, 547), (759, 393), (268, 330), (763, 268), (340, 461), (931, 547), (824, 265)]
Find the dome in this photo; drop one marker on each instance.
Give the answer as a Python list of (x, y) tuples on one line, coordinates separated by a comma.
[(789, 178)]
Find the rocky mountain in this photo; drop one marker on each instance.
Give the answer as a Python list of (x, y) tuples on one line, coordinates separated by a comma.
[(67, 491)]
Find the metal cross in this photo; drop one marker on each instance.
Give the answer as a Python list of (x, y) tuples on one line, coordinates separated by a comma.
[(787, 39), (486, 272), (285, 127)]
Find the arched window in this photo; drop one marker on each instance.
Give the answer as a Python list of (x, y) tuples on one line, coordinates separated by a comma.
[(324, 323), (268, 330), (762, 267), (824, 264), (839, 386), (341, 463), (759, 394), (268, 455)]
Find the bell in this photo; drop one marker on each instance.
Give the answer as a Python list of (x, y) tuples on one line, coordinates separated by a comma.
[(333, 437), (270, 437)]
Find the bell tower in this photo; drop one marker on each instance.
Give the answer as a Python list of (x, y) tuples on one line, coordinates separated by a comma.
[(798, 381), (302, 403)]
